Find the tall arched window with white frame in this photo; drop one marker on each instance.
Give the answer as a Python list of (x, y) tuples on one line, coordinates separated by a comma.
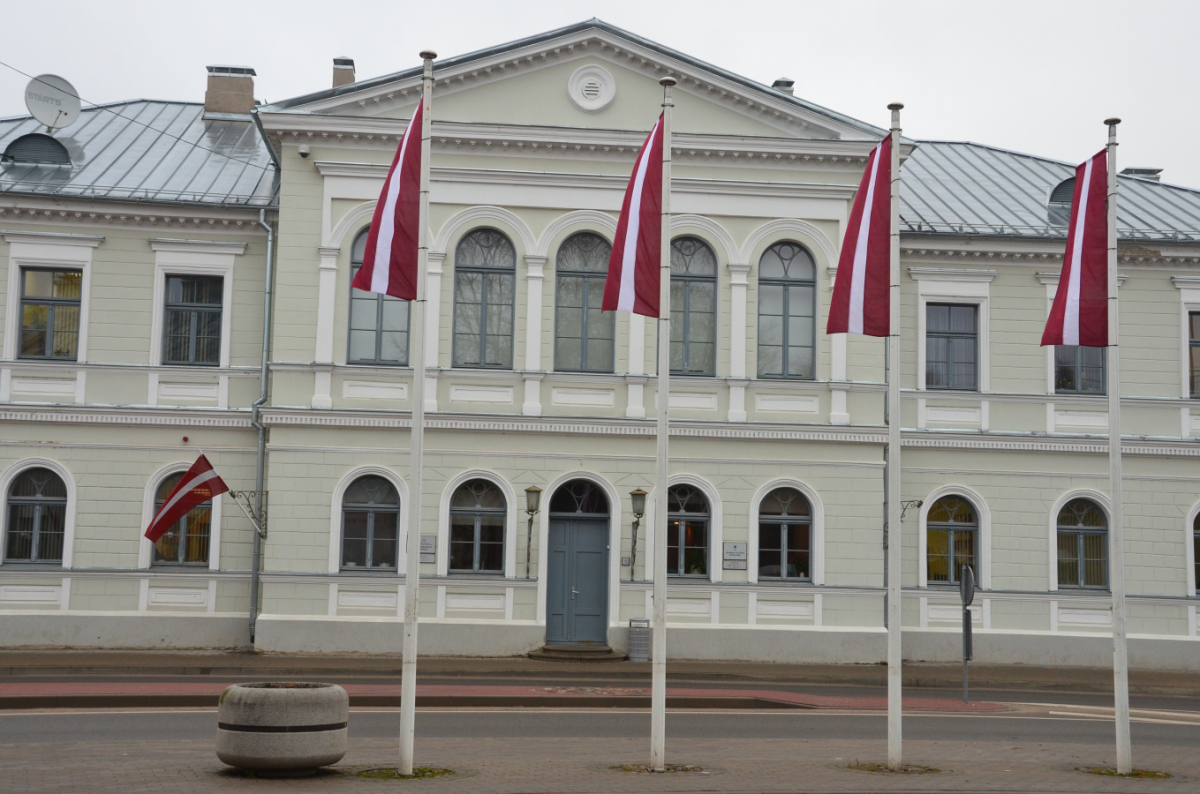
[(485, 277), (583, 335), (689, 520), (370, 525), (952, 529), (693, 307), (378, 323), (785, 536), (1082, 545), (786, 312), (187, 541), (477, 515), (37, 515)]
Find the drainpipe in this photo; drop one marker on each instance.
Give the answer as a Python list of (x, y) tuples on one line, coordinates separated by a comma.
[(256, 421)]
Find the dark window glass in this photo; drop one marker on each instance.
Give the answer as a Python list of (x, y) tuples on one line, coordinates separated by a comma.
[(786, 312), (370, 524), (1082, 545), (378, 323), (579, 497), (951, 528), (687, 531), (951, 347), (1194, 350), (1196, 551), (693, 307), (484, 286), (187, 541), (50, 301), (193, 320), (784, 536), (1078, 369), (477, 516), (37, 512), (583, 335)]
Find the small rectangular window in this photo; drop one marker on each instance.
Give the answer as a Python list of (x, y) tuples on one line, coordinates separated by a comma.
[(192, 320), (50, 303), (951, 347), (1078, 369), (1194, 350)]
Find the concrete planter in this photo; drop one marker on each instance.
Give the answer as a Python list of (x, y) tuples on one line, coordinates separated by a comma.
[(282, 727)]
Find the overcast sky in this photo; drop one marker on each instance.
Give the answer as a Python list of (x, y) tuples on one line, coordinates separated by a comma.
[(1038, 77)]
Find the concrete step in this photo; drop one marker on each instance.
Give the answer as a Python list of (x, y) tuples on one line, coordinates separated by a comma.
[(577, 653)]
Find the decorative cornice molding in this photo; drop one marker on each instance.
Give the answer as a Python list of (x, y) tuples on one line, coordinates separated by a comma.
[(1051, 278), (196, 246), (184, 417), (950, 274), (52, 238), (1020, 251), (41, 210)]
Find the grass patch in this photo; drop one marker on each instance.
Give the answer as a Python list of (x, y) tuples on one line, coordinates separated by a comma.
[(391, 773), (646, 768), (1143, 774), (907, 769)]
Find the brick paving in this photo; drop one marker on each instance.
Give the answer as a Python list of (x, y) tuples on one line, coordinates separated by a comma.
[(512, 766)]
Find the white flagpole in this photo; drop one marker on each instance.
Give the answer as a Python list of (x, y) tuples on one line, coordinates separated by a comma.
[(658, 687), (895, 674), (1116, 534), (416, 473)]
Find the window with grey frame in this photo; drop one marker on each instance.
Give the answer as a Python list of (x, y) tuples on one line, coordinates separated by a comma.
[(951, 346), (378, 323), (187, 541), (1194, 351), (786, 312), (951, 531), (688, 521), (1082, 545), (693, 307), (370, 525), (192, 320), (478, 511), (583, 335), (1078, 369), (484, 287), (50, 305), (785, 536), (37, 517)]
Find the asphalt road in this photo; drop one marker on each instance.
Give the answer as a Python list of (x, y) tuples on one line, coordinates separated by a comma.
[(20, 728)]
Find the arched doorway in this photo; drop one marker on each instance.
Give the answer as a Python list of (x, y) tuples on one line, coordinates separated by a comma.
[(577, 566)]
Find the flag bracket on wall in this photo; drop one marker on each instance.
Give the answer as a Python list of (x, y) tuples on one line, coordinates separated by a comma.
[(260, 521)]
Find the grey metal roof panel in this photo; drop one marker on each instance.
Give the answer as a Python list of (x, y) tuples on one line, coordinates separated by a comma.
[(952, 187), (149, 150)]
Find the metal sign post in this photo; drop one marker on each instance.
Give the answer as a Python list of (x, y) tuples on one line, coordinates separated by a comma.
[(967, 592)]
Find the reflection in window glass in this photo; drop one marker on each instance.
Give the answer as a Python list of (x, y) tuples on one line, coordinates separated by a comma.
[(477, 516), (484, 287), (951, 528), (50, 302), (786, 312), (378, 323), (693, 307)]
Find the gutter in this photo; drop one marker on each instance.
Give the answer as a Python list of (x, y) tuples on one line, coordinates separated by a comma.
[(256, 422)]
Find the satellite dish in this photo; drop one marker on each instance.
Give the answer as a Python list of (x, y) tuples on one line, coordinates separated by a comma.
[(52, 101)]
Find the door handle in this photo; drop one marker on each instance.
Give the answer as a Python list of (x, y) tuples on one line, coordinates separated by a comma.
[(573, 594)]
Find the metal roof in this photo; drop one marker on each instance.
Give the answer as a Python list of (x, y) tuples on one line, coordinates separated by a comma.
[(961, 188), (149, 151)]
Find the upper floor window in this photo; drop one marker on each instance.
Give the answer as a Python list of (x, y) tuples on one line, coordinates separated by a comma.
[(952, 528), (370, 524), (192, 332), (187, 541), (50, 301), (687, 531), (378, 323), (693, 307), (1196, 551), (784, 536), (37, 515), (1082, 545), (786, 312), (1194, 350), (583, 335), (485, 276), (1078, 369), (477, 514), (951, 346)]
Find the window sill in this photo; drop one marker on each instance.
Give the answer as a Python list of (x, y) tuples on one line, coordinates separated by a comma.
[(376, 572), (27, 565), (475, 575), (181, 567)]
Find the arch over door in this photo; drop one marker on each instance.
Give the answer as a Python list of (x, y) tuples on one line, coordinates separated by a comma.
[(577, 566)]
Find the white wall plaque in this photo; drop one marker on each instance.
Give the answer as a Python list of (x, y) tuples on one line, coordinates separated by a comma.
[(735, 551), (733, 565)]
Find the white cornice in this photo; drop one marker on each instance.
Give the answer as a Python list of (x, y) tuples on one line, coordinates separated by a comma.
[(950, 274), (196, 246), (52, 238), (1023, 251), (183, 417), (55, 211), (1050, 279)]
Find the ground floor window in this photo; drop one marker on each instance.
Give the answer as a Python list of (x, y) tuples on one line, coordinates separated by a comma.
[(1082, 545), (952, 528), (784, 536), (37, 513), (688, 521), (477, 514), (370, 524), (186, 542)]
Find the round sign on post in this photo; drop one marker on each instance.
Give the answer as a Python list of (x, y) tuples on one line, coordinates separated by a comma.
[(52, 101)]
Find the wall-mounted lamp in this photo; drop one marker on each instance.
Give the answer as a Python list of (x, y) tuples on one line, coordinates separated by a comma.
[(533, 499), (638, 498)]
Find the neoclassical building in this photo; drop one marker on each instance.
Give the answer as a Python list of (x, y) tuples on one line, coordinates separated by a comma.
[(774, 514)]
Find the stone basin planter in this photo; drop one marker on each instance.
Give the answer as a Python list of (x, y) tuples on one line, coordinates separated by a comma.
[(282, 727)]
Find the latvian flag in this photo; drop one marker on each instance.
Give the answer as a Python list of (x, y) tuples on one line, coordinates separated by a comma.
[(200, 484), (860, 293), (1079, 315), (633, 269), (390, 261)]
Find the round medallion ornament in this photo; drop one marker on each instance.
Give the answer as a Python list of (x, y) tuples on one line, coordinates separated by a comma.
[(592, 88)]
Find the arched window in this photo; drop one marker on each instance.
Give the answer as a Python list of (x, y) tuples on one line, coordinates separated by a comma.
[(786, 312), (688, 520), (370, 524), (37, 515), (579, 497), (485, 275), (477, 512), (583, 335), (186, 542), (693, 307), (378, 323), (1082, 545), (952, 528), (784, 536)]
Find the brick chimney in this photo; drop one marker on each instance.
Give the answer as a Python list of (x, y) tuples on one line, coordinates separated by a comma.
[(230, 90), (343, 71)]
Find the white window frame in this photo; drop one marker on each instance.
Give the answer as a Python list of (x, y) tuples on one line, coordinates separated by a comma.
[(1189, 301), (983, 537), (335, 517), (961, 286), (716, 527), (192, 258), (19, 468), (816, 538), (1189, 552), (1100, 499), (146, 547), (510, 520)]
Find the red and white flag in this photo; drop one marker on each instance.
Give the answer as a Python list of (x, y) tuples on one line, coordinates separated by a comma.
[(1079, 314), (860, 293), (200, 484), (390, 262), (633, 269)]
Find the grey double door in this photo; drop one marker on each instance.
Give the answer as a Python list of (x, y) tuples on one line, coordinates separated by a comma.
[(577, 582)]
